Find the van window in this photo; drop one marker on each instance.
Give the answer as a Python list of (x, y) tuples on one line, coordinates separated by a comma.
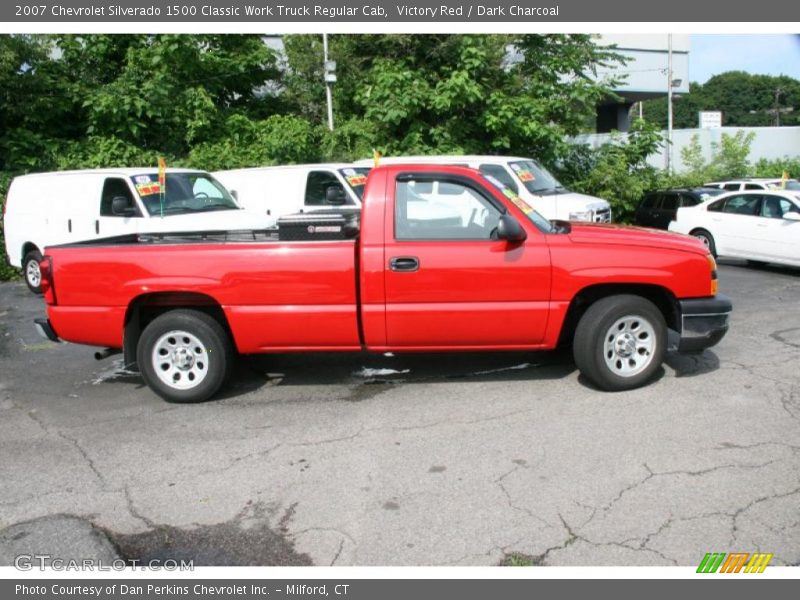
[(732, 187), (499, 172), (467, 215), (316, 184), (753, 186), (112, 188)]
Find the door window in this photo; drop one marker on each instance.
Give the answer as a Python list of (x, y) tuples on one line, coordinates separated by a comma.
[(670, 202), (112, 188), (742, 205), (774, 207), (732, 187), (317, 184), (447, 211)]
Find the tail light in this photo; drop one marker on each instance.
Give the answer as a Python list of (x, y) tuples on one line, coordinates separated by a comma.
[(46, 285), (712, 265)]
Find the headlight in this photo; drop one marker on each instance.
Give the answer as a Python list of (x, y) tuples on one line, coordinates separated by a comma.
[(586, 215)]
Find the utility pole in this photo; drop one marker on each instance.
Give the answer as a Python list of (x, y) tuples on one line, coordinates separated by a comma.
[(778, 92), (330, 78), (669, 104)]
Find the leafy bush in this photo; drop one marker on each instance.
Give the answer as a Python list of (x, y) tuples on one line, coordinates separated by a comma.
[(279, 139), (617, 171), (6, 271)]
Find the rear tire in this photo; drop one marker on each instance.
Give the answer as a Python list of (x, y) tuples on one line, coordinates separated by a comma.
[(707, 239), (32, 272), (620, 342), (184, 356)]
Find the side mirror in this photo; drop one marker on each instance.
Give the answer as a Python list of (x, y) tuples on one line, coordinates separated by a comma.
[(121, 206), (235, 195), (335, 195), (509, 229), (791, 216)]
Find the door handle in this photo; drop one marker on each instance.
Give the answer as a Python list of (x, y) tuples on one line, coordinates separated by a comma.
[(404, 264)]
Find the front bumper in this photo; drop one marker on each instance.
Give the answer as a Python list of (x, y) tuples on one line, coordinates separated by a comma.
[(704, 322), (45, 329)]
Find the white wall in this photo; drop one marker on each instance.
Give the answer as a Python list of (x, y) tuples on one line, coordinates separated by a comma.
[(769, 143)]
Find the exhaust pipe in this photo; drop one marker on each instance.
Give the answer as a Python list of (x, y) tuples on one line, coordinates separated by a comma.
[(106, 352)]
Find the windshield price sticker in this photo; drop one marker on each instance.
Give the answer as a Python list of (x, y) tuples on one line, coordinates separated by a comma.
[(356, 180), (148, 189)]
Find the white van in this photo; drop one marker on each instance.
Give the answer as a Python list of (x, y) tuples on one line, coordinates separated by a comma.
[(46, 209), (531, 181), (277, 191)]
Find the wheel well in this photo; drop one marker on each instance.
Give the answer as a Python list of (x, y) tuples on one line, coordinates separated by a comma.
[(29, 247), (143, 309), (663, 299)]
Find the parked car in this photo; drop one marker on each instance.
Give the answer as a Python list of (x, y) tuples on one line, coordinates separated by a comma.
[(758, 226), (277, 191), (416, 278), (657, 209), (525, 177), (741, 185), (47, 209)]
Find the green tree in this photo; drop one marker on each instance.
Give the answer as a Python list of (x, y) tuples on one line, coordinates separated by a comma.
[(453, 93), (745, 100)]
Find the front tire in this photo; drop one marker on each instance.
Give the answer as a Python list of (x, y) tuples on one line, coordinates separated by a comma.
[(620, 342), (184, 356), (32, 272)]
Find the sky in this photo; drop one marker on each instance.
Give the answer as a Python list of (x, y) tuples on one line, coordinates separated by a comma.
[(772, 54)]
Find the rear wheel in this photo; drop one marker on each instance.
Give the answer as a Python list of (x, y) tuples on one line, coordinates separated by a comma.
[(620, 342), (707, 239), (184, 355), (33, 274)]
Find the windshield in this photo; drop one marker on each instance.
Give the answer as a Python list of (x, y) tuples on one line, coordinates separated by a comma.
[(184, 193), (535, 178), (356, 178), (533, 216)]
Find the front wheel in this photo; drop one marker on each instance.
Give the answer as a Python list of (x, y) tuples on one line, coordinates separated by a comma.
[(33, 274), (620, 342), (184, 355)]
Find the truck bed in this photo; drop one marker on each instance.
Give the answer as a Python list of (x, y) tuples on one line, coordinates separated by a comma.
[(276, 295)]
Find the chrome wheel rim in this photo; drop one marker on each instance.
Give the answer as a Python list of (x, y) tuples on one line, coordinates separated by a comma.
[(629, 345), (180, 360), (33, 273)]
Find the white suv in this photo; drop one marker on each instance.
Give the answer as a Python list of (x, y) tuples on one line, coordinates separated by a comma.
[(741, 185)]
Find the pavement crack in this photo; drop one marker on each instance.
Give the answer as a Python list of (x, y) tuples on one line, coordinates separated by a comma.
[(338, 552), (135, 512), (85, 455)]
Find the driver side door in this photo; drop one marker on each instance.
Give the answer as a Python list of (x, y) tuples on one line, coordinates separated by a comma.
[(448, 284)]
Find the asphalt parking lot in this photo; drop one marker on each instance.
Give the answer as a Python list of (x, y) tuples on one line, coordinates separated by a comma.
[(419, 460)]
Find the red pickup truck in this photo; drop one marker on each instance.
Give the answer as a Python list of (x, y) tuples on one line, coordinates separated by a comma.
[(445, 259)]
